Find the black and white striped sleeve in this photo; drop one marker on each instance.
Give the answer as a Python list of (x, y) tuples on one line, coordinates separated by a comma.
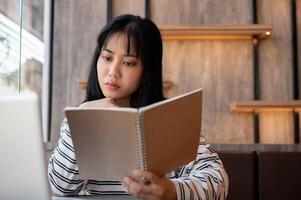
[(204, 178), (62, 168)]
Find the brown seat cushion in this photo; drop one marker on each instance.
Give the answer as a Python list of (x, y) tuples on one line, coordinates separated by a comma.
[(241, 168), (279, 175)]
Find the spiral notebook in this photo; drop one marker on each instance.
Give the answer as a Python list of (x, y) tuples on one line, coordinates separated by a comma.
[(110, 142)]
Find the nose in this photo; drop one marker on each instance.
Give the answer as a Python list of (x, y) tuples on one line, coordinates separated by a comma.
[(114, 71)]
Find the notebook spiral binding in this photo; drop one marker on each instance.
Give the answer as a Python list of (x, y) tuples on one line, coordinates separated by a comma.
[(141, 152)]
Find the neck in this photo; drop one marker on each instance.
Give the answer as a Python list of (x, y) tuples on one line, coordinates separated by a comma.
[(123, 102)]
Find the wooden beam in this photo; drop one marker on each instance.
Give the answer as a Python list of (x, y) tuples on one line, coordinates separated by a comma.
[(266, 106), (216, 32), (167, 83)]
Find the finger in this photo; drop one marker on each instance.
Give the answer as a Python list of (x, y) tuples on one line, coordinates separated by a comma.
[(125, 185), (133, 187), (153, 178), (137, 189)]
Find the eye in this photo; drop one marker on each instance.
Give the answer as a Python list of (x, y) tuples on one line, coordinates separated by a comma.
[(106, 58), (129, 64)]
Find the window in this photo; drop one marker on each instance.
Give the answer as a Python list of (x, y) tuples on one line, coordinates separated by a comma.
[(22, 51), (31, 60)]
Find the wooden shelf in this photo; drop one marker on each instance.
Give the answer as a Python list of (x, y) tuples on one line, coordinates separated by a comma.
[(83, 83), (224, 32), (266, 106)]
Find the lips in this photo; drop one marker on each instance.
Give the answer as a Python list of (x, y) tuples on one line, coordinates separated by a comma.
[(112, 86)]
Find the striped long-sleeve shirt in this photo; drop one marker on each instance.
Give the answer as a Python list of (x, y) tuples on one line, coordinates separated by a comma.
[(203, 178)]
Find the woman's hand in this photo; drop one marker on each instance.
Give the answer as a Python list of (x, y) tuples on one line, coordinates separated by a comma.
[(100, 103), (158, 188)]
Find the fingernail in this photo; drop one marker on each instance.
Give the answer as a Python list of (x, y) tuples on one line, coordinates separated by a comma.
[(136, 171)]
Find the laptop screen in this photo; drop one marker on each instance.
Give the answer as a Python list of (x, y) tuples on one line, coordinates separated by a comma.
[(23, 164)]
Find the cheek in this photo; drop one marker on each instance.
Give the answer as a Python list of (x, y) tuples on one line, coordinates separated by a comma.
[(100, 71), (136, 78)]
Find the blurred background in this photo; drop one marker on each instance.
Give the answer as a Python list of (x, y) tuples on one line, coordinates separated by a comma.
[(245, 54)]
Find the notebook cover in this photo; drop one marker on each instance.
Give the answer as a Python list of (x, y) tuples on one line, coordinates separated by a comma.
[(104, 142), (171, 132)]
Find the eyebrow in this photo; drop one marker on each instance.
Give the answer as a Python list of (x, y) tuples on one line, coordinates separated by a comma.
[(125, 55)]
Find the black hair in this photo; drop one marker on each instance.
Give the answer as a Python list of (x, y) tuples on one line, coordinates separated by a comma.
[(146, 39)]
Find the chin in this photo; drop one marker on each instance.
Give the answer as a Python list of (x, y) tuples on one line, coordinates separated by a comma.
[(113, 96)]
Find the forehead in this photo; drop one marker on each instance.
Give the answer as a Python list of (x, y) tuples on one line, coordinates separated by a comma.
[(118, 42)]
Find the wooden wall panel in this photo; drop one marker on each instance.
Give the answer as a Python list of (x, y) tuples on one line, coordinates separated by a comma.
[(77, 24), (275, 68), (298, 46), (135, 7), (224, 70), (201, 11), (276, 128)]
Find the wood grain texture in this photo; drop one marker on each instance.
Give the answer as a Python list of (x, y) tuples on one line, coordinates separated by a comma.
[(76, 27), (275, 68), (266, 106), (298, 46), (135, 7), (276, 128), (224, 71), (222, 68), (220, 31), (201, 11)]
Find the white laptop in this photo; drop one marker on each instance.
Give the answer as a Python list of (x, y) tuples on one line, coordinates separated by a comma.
[(22, 164), (22, 156)]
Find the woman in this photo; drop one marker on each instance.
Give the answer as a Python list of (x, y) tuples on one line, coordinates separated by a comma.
[(127, 71)]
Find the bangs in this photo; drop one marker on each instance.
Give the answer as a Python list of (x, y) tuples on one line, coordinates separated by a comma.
[(133, 38)]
